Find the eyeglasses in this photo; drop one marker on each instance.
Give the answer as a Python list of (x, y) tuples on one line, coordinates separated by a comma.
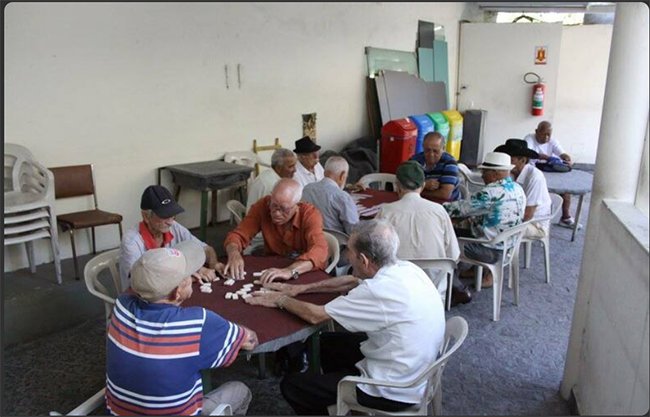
[(276, 207)]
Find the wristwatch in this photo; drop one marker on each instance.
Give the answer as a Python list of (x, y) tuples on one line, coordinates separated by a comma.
[(295, 274)]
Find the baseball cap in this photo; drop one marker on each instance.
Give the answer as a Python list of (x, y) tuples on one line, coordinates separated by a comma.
[(410, 174), (158, 199), (159, 271)]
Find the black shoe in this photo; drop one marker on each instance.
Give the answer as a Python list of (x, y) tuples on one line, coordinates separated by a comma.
[(460, 295)]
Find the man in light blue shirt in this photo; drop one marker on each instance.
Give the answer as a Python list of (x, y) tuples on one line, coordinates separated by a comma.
[(336, 206)]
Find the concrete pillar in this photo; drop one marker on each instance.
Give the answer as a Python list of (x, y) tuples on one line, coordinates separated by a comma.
[(620, 148)]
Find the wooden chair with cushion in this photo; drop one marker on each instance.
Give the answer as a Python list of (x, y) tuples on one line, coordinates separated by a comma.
[(77, 181)]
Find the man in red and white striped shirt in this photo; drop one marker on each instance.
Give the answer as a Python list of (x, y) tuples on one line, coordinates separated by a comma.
[(155, 348)]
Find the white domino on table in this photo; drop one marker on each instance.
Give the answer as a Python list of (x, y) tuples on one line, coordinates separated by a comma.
[(228, 295), (235, 296), (229, 282)]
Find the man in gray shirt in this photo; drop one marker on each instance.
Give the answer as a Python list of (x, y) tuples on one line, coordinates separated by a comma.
[(337, 207)]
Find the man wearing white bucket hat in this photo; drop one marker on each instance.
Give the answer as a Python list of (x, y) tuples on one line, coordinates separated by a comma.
[(496, 207)]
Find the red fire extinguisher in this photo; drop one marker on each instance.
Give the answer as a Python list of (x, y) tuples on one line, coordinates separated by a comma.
[(539, 90)]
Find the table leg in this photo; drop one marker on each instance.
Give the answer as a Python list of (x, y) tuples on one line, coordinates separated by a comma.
[(261, 365), (204, 213), (578, 210), (213, 211), (314, 363)]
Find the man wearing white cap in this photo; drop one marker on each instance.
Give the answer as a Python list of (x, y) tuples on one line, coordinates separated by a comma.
[(156, 349), (496, 207)]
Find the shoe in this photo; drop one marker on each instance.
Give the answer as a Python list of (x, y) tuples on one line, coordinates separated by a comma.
[(487, 281), (460, 296), (567, 222)]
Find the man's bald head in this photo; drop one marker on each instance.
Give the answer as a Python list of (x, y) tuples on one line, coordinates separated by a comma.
[(543, 132), (288, 190)]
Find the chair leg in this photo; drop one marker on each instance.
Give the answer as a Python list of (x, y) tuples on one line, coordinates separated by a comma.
[(478, 278), (450, 283), (497, 286), (74, 255), (514, 272), (119, 226), (30, 256), (547, 260), (92, 230), (528, 247), (54, 241)]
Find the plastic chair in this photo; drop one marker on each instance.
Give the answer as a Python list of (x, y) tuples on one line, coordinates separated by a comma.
[(96, 401), (107, 260), (380, 178), (456, 330), (471, 181), (511, 239), (333, 251), (342, 238), (87, 407), (237, 211), (77, 181), (556, 205), (29, 204), (447, 266)]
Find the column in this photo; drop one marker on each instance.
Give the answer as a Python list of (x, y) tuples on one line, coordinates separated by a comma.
[(620, 147)]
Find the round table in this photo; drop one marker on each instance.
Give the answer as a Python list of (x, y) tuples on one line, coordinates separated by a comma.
[(574, 182)]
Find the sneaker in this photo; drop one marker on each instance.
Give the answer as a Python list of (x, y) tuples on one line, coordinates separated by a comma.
[(568, 221)]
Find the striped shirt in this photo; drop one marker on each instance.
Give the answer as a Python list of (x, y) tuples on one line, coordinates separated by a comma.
[(445, 171), (155, 353)]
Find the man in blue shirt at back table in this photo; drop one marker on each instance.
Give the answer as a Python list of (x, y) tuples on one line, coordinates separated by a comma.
[(440, 169)]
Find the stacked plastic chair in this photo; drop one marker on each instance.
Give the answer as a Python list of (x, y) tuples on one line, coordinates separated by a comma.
[(29, 204)]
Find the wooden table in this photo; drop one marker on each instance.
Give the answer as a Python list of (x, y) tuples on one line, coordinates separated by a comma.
[(574, 182), (275, 328), (205, 177), (374, 199), (378, 197)]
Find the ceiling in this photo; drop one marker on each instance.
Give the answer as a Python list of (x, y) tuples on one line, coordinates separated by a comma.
[(558, 7)]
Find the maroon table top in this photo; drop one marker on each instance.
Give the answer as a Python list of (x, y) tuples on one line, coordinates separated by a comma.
[(274, 327), (381, 196)]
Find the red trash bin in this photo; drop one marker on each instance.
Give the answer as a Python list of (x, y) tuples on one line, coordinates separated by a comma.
[(398, 138)]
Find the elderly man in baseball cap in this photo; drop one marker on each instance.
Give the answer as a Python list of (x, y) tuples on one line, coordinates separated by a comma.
[(156, 349), (159, 229), (496, 207)]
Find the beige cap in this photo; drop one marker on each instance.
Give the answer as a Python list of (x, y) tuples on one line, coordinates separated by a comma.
[(159, 271)]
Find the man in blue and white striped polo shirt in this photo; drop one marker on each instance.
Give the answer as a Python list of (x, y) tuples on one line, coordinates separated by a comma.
[(156, 349)]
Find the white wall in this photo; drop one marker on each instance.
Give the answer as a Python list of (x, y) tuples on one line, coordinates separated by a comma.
[(584, 56), (134, 86), (613, 376), (494, 58)]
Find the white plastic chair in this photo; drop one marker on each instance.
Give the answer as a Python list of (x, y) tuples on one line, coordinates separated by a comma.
[(456, 330), (29, 204), (470, 181), (446, 266), (556, 205), (96, 401), (342, 238), (380, 178), (107, 260), (333, 251), (511, 239), (237, 211)]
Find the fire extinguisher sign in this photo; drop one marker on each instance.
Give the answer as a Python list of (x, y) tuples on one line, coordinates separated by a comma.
[(540, 55)]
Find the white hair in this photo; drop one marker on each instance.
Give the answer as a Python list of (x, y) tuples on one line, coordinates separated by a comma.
[(336, 165)]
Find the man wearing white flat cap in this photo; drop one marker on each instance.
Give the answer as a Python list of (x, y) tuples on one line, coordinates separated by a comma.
[(496, 207)]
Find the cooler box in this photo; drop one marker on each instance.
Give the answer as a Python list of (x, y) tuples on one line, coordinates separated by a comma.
[(440, 124), (424, 125), (455, 132), (397, 144)]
